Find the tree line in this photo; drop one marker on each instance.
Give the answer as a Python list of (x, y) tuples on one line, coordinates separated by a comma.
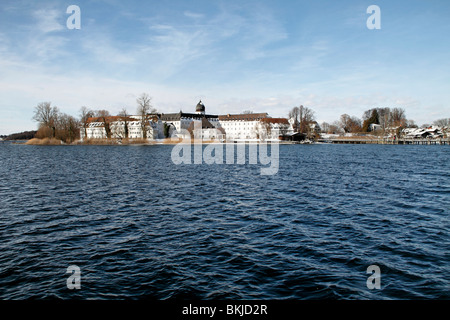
[(54, 124), (381, 118), (25, 135)]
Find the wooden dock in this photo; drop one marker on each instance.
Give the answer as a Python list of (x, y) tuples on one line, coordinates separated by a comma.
[(356, 140)]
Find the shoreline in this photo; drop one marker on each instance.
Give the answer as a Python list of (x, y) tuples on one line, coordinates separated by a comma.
[(169, 141), (139, 142)]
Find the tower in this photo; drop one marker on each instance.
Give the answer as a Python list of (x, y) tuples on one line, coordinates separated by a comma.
[(200, 108)]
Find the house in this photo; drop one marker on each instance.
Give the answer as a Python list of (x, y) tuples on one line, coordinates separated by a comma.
[(373, 127), (275, 128), (293, 136), (420, 133), (314, 127)]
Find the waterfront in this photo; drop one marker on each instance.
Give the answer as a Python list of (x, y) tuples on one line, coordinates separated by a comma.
[(364, 140), (139, 226)]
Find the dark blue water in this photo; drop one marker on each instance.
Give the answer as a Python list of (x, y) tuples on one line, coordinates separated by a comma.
[(139, 226)]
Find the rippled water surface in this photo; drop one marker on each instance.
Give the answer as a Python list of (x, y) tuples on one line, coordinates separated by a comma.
[(139, 226)]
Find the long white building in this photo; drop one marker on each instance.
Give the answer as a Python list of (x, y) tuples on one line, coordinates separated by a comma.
[(230, 127), (120, 128)]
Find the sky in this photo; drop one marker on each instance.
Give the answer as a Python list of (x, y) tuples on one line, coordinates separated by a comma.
[(263, 56)]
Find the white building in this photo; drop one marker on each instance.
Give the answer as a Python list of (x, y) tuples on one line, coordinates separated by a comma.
[(179, 122), (121, 127), (314, 127), (419, 133), (231, 127), (242, 126), (274, 128), (375, 127)]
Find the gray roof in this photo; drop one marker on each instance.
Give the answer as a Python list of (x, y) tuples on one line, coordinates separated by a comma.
[(205, 125), (243, 117), (178, 116)]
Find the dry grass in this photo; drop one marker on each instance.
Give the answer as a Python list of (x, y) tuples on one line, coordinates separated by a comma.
[(44, 142), (136, 141), (172, 140), (98, 142), (187, 141), (115, 142)]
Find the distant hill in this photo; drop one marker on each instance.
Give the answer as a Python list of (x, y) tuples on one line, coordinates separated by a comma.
[(26, 135)]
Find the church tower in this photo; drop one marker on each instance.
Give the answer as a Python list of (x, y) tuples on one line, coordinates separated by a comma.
[(200, 108)]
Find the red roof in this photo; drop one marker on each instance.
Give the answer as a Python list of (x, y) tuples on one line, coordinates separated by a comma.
[(276, 120), (109, 119)]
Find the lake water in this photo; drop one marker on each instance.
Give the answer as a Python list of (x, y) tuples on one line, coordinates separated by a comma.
[(139, 226)]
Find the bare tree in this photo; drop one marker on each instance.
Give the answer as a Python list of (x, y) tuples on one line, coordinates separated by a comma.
[(283, 130), (350, 124), (411, 124), (256, 131), (124, 117), (334, 127), (445, 122), (398, 117), (105, 117), (47, 116), (68, 128), (325, 127), (294, 114), (306, 118), (345, 122), (303, 117), (384, 117), (265, 129), (367, 114), (356, 124), (85, 114), (144, 109)]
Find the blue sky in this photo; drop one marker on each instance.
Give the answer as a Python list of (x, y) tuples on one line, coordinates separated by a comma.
[(265, 56)]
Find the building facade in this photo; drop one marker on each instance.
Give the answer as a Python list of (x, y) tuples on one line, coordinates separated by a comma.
[(230, 127)]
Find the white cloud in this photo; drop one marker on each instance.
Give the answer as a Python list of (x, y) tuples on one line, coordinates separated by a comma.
[(48, 20), (102, 49), (171, 48), (193, 15)]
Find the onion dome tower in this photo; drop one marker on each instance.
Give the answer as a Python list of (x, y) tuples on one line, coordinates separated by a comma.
[(200, 108)]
